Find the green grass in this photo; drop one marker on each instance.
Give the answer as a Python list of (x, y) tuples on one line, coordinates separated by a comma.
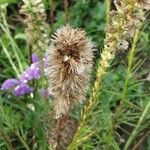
[(119, 117)]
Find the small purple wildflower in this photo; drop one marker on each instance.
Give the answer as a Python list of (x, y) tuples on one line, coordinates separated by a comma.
[(34, 58), (33, 72), (9, 83), (22, 89), (24, 77)]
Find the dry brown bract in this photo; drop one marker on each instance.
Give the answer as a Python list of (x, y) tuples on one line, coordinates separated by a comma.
[(70, 60), (145, 4)]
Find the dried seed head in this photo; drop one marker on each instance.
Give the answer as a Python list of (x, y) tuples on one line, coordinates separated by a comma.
[(36, 26), (122, 45), (121, 28), (70, 61), (145, 4)]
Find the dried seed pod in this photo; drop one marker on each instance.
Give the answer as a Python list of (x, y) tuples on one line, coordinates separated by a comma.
[(145, 4), (36, 27), (70, 61), (122, 45)]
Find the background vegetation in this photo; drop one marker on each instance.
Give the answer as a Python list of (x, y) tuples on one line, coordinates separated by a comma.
[(111, 124)]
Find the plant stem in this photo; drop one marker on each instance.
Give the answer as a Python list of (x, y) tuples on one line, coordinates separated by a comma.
[(108, 4), (66, 11), (135, 131), (22, 141), (130, 63), (8, 123), (14, 45), (128, 75), (52, 14), (8, 144), (60, 125), (9, 58), (141, 140)]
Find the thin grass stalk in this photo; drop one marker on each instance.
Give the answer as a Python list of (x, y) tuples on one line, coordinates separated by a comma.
[(130, 64), (136, 129), (22, 140), (14, 45), (12, 128), (9, 58), (128, 76), (52, 14), (6, 140), (137, 145), (66, 11), (108, 5)]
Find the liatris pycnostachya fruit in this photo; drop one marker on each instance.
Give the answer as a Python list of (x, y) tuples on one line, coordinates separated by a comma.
[(145, 4), (36, 26), (70, 60)]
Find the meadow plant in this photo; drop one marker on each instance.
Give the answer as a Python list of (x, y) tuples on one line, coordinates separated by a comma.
[(119, 31), (37, 37), (36, 26), (5, 30), (19, 86), (66, 62), (69, 60)]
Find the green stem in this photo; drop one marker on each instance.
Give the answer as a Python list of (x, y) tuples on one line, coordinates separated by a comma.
[(136, 129), (128, 75), (7, 122), (14, 45), (52, 14), (9, 58), (130, 62), (22, 141), (6, 140), (108, 4), (66, 11)]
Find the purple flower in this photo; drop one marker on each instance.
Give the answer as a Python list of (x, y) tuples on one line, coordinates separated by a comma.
[(33, 72), (9, 83), (25, 77), (22, 89), (34, 58)]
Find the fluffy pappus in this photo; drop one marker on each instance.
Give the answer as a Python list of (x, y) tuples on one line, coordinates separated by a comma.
[(69, 60), (145, 4)]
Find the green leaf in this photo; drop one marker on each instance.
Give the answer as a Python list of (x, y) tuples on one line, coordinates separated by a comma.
[(7, 1), (21, 36)]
